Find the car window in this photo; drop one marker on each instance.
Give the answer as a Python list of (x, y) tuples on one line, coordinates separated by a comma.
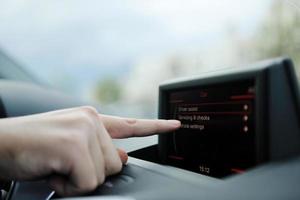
[(116, 53), (10, 69)]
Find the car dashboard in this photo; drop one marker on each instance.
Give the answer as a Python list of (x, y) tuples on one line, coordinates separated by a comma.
[(239, 139)]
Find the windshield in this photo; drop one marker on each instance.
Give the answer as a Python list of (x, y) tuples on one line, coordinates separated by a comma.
[(116, 53)]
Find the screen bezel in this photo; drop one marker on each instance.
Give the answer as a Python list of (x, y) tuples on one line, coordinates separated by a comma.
[(259, 78)]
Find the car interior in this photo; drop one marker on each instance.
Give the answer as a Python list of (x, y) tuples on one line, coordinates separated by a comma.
[(229, 71), (239, 138)]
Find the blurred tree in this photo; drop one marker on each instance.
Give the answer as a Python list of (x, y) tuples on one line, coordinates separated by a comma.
[(278, 35), (108, 91)]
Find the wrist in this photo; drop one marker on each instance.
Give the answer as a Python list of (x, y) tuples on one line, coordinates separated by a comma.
[(12, 143)]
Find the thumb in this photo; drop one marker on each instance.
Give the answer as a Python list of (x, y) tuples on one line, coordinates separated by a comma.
[(123, 155)]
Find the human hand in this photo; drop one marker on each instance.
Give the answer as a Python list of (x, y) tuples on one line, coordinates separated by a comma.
[(71, 147)]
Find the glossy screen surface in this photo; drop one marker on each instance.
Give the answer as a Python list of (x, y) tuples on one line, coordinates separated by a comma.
[(217, 136)]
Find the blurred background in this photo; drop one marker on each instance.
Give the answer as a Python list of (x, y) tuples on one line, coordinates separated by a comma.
[(115, 53)]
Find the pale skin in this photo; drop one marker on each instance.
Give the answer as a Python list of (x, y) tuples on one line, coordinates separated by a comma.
[(71, 148)]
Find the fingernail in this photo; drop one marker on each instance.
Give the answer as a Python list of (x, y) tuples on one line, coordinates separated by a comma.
[(123, 155), (174, 122)]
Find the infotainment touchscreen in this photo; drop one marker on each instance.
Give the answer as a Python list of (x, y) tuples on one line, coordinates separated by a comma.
[(232, 120), (216, 137)]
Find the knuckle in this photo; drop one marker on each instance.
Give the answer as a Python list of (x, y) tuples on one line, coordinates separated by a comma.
[(56, 164), (101, 178), (118, 166), (131, 124), (87, 118), (131, 121), (89, 110), (90, 185), (115, 167)]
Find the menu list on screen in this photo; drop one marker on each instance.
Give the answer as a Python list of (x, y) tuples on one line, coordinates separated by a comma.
[(216, 137)]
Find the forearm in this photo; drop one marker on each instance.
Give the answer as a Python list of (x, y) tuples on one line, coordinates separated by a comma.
[(8, 144)]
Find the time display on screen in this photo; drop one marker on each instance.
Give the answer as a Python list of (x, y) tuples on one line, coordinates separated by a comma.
[(216, 137)]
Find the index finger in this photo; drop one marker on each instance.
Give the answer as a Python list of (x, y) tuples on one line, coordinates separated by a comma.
[(119, 127)]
